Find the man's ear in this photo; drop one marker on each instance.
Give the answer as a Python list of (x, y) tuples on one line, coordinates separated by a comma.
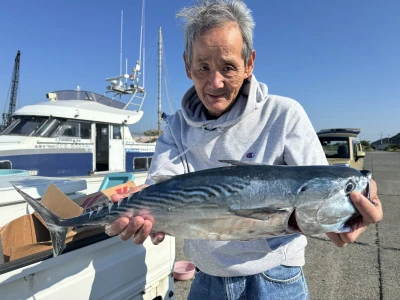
[(187, 67), (250, 64)]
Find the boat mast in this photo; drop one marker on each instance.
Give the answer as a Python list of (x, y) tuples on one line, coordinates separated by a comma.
[(159, 78), (120, 46), (141, 60)]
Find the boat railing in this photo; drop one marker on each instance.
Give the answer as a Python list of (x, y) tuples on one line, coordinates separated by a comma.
[(134, 91)]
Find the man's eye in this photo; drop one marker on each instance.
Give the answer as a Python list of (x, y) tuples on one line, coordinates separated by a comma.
[(204, 68), (229, 69)]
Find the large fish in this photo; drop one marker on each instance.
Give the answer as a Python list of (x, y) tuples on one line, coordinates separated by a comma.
[(237, 202)]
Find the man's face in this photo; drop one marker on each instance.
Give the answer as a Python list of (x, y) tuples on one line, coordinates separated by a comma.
[(218, 69)]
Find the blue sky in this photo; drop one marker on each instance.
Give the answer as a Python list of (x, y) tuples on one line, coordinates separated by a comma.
[(340, 59)]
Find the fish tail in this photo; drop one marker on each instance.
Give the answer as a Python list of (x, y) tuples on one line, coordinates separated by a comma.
[(58, 233)]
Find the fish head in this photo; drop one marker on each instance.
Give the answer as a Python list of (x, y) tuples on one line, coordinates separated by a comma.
[(324, 204)]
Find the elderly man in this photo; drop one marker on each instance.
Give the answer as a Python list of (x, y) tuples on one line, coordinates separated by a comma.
[(228, 114)]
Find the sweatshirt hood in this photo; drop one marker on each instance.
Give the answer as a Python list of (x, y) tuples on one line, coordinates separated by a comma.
[(252, 96)]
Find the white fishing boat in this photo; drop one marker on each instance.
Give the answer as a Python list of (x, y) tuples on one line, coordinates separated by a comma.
[(77, 133)]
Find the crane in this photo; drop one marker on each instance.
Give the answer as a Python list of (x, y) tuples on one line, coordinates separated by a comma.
[(14, 91)]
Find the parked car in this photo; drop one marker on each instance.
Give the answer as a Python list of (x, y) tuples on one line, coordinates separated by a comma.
[(342, 147)]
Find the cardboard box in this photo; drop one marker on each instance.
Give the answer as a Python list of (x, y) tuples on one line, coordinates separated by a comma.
[(28, 234)]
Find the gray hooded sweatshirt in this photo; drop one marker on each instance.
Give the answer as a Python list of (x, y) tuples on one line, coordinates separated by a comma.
[(259, 128)]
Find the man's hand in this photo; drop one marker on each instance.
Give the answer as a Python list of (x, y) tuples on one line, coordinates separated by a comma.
[(138, 224), (371, 213)]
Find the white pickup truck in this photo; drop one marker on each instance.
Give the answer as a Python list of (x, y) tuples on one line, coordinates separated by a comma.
[(97, 267)]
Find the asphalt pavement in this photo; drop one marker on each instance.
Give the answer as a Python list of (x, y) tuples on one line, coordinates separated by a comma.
[(367, 269)]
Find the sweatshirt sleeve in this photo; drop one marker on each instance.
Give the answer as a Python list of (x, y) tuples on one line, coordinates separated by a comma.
[(302, 146), (167, 160)]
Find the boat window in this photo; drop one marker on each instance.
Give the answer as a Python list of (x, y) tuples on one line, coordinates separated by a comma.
[(25, 125), (73, 129), (48, 127), (335, 147), (141, 163), (116, 132), (5, 165), (70, 129), (86, 130), (10, 127)]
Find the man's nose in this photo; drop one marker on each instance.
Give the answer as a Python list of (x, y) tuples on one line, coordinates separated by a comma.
[(216, 80)]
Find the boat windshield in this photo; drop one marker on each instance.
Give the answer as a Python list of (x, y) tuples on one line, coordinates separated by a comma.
[(48, 127), (88, 96), (24, 125), (335, 147)]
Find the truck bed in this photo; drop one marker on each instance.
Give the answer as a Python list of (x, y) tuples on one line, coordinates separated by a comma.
[(106, 268)]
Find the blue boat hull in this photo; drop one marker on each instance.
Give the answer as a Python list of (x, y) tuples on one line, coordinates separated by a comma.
[(53, 164), (64, 164)]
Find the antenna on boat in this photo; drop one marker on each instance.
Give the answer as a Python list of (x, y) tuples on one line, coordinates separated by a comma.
[(119, 84)]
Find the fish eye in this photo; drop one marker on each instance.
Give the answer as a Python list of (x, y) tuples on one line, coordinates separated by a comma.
[(350, 186)]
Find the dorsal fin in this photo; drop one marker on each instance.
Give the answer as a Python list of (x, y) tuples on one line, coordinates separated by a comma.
[(161, 178)]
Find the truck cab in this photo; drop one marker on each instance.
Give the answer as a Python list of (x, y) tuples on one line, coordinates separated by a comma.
[(342, 147)]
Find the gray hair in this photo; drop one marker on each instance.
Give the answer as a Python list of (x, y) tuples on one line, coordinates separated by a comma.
[(208, 14)]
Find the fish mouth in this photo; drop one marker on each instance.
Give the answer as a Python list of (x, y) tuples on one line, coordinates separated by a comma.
[(354, 219), (365, 191), (368, 176)]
